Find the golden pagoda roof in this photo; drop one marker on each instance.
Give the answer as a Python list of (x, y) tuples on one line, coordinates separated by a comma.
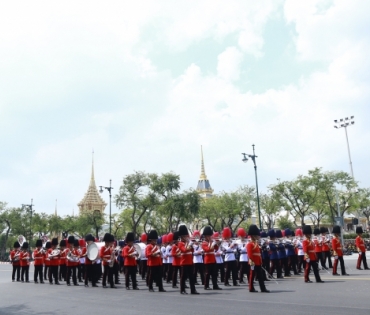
[(203, 187)]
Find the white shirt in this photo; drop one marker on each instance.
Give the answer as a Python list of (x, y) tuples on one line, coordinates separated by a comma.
[(164, 256), (197, 254), (168, 253), (229, 252), (143, 247), (219, 259), (243, 252), (300, 248)]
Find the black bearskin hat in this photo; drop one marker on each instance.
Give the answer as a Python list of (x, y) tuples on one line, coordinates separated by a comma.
[(336, 229), (253, 230), (322, 229), (71, 239), (48, 245), (76, 243), (278, 234), (207, 231), (38, 243), (271, 234), (130, 237), (307, 230), (183, 230), (16, 244), (359, 230), (63, 243), (108, 238), (153, 235), (54, 242), (316, 231), (89, 237), (25, 245), (176, 236)]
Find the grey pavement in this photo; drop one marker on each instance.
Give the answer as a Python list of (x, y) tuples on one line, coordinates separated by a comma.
[(338, 295)]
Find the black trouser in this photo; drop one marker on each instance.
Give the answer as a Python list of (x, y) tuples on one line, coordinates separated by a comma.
[(16, 269), (187, 273), (116, 272), (301, 262), (143, 268), (164, 271), (275, 265), (362, 257), (243, 270), (62, 272), (258, 273), (342, 267), (315, 268), (130, 272), (211, 271), (71, 270), (169, 273), (198, 267), (175, 271), (80, 272), (266, 265), (285, 266), (24, 273), (292, 263), (53, 274), (108, 273), (231, 269), (155, 274), (327, 255), (38, 273), (90, 274), (221, 268), (46, 272)]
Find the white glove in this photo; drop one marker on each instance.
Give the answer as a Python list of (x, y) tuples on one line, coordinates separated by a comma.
[(252, 267), (108, 261), (335, 257), (308, 260)]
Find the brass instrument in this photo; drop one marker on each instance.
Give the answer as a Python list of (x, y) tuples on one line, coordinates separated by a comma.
[(72, 258), (16, 256), (113, 256)]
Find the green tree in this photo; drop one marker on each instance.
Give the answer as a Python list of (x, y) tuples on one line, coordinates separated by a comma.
[(270, 208), (283, 222)]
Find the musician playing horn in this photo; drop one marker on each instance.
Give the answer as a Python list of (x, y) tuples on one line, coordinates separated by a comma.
[(310, 256), (337, 252), (24, 259), (361, 249), (176, 257), (71, 265), (255, 260), (54, 262), (130, 255), (47, 261), (38, 257), (209, 246), (62, 261), (14, 258), (106, 255)]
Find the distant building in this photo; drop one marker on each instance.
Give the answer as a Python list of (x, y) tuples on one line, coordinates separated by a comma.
[(204, 188), (92, 201)]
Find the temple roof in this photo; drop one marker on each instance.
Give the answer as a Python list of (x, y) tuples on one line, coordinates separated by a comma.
[(203, 187)]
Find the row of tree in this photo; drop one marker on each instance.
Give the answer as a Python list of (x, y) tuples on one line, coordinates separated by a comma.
[(151, 201)]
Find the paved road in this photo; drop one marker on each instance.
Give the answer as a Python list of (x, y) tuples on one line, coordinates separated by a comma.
[(338, 295)]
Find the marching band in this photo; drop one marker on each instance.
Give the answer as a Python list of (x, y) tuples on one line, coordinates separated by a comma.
[(257, 255)]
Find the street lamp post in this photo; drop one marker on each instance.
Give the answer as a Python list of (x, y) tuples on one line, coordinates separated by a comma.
[(30, 209), (344, 123), (245, 159), (110, 202)]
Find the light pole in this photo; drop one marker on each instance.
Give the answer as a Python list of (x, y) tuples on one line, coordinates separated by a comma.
[(245, 159), (110, 202), (344, 123), (30, 209)]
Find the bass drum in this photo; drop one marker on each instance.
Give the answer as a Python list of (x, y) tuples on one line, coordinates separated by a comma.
[(93, 250), (138, 250)]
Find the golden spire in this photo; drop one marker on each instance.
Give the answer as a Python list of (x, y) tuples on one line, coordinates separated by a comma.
[(203, 175)]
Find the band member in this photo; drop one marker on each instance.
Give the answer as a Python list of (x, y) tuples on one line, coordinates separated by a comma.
[(361, 249), (274, 258), (186, 261), (53, 254), (299, 247), (283, 261), (153, 253), (72, 261), (229, 248), (90, 265), (337, 252), (14, 258), (265, 248), (163, 242), (24, 259), (130, 255), (82, 254), (208, 247), (116, 263), (317, 241), (326, 255), (62, 261), (143, 259), (243, 257), (106, 253), (176, 258), (38, 262), (255, 260), (290, 252), (197, 258), (310, 256), (218, 256), (47, 261), (169, 257)]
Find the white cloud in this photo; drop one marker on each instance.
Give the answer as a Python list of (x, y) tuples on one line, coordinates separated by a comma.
[(228, 66)]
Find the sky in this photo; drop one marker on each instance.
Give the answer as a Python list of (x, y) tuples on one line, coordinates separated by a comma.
[(145, 83)]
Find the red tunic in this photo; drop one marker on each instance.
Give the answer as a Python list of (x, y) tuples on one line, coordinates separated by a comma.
[(105, 253), (38, 257), (318, 246), (186, 254), (209, 253), (308, 249), (337, 247), (62, 257), (72, 263), (12, 254), (360, 244), (153, 260), (325, 244), (24, 259), (129, 260), (176, 255), (254, 253), (54, 260)]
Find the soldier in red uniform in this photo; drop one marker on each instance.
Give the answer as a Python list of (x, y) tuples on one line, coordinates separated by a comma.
[(208, 247), (24, 259), (62, 261), (186, 248), (81, 268), (317, 241), (14, 258), (255, 260), (361, 249), (54, 261), (337, 252), (71, 261), (153, 253), (47, 261), (176, 255), (130, 255), (106, 256), (326, 255), (310, 256), (38, 262), (90, 265)]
